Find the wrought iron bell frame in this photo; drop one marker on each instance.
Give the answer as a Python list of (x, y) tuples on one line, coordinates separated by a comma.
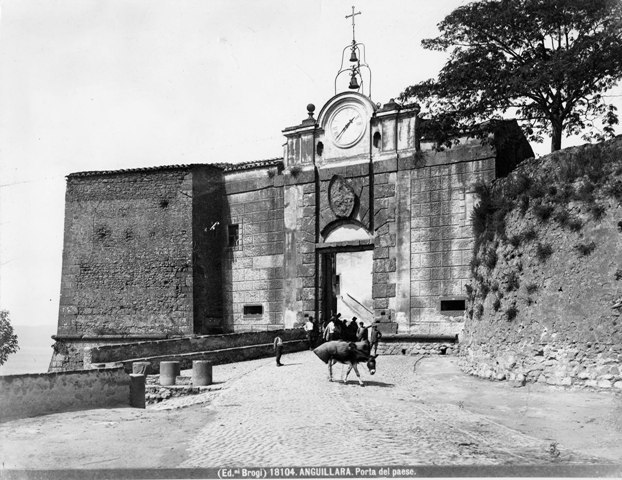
[(355, 66)]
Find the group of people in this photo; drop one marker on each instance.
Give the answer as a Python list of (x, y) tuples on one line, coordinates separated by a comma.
[(335, 328)]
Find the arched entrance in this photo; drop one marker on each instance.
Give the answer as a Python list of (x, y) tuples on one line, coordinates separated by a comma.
[(346, 273)]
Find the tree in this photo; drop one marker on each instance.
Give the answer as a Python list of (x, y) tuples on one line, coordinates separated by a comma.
[(8, 340), (548, 62)]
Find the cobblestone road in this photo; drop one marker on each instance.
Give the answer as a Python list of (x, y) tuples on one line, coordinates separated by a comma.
[(292, 416)]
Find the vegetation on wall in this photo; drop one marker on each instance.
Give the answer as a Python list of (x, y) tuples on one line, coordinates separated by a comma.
[(564, 189)]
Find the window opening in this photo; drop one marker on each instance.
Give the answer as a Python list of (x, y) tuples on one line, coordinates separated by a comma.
[(234, 235), (320, 149), (253, 309), (452, 305), (377, 139)]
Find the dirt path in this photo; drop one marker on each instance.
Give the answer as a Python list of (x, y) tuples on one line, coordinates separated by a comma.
[(581, 420)]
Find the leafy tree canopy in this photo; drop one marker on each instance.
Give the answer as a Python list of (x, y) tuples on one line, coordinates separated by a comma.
[(546, 61), (8, 340)]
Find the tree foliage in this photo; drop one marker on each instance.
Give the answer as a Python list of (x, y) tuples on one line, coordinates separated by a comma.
[(8, 340), (547, 62)]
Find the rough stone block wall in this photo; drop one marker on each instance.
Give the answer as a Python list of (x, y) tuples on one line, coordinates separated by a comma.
[(546, 295), (253, 269), (127, 260), (39, 394), (417, 348)]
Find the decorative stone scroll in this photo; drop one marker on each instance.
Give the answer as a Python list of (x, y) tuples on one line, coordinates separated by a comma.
[(341, 197)]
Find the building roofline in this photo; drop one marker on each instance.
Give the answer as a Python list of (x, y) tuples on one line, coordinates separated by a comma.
[(224, 167)]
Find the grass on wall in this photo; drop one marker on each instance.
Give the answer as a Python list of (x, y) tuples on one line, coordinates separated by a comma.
[(573, 177)]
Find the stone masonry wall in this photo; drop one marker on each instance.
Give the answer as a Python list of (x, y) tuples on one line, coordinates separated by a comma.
[(43, 393), (253, 269), (546, 291), (441, 238), (385, 252), (423, 235), (127, 260), (300, 237)]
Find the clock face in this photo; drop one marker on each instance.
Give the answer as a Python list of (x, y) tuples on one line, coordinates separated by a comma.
[(347, 126)]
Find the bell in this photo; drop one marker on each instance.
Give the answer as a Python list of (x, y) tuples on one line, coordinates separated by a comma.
[(354, 85), (353, 57)]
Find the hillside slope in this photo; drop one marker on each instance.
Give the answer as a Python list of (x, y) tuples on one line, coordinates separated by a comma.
[(546, 295)]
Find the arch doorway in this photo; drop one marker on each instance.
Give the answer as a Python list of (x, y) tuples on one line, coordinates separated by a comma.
[(347, 260)]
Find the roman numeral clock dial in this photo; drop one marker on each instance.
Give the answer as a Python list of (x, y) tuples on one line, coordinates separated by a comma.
[(347, 126)]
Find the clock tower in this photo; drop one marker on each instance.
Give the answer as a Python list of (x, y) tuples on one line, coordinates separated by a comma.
[(340, 171)]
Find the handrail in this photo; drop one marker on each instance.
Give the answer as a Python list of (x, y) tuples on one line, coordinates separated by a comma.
[(368, 310)]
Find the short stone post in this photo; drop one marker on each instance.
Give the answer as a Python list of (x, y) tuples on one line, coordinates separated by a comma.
[(137, 390), (143, 368), (201, 373), (168, 372)]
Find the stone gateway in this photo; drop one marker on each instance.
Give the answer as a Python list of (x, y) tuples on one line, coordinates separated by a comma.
[(360, 216)]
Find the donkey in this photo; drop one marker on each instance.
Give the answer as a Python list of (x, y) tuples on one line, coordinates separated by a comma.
[(351, 353)]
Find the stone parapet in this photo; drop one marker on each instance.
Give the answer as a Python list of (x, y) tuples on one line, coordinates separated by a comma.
[(42, 393), (220, 356)]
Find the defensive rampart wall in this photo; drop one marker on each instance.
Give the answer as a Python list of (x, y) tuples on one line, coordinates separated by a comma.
[(546, 293)]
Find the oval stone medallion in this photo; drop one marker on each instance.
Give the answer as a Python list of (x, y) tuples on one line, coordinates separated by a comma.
[(341, 196)]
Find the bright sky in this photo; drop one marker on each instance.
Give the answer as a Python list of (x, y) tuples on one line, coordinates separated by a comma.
[(94, 85)]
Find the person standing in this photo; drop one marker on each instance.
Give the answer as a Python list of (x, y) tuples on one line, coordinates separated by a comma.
[(373, 336), (278, 350), (361, 333), (310, 331), (329, 331), (338, 328)]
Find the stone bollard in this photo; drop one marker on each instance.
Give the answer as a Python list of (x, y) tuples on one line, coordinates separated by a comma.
[(168, 372), (201, 373), (137, 390), (142, 368)]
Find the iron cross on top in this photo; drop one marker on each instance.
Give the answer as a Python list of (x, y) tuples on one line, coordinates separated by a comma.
[(353, 15)]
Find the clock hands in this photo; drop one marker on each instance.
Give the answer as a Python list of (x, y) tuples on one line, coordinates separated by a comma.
[(345, 127)]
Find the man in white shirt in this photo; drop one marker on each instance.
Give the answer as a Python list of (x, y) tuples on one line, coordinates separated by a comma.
[(329, 331), (310, 331)]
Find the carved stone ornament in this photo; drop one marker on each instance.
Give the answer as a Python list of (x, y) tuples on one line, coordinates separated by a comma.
[(341, 196)]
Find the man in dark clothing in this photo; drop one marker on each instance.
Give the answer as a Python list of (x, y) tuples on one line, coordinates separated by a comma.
[(278, 350), (373, 336), (361, 333), (338, 330)]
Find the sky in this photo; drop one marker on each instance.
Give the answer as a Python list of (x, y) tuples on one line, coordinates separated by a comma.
[(103, 85)]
